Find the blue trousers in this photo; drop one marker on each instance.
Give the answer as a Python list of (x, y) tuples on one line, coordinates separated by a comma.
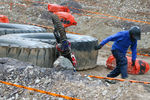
[(121, 65)]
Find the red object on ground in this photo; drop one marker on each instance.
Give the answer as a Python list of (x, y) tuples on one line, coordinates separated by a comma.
[(66, 18), (57, 8), (4, 19), (141, 67)]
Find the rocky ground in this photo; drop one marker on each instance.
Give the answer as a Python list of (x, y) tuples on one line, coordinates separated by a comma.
[(64, 82), (67, 82)]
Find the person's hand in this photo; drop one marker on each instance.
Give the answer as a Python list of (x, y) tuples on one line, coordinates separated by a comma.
[(98, 47), (133, 62)]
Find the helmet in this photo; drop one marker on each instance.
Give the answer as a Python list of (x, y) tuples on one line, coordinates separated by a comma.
[(135, 32)]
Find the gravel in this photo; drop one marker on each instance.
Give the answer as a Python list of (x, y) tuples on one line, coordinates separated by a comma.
[(64, 82), (67, 82)]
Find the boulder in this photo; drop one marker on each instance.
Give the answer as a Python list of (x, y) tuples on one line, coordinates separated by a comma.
[(63, 63)]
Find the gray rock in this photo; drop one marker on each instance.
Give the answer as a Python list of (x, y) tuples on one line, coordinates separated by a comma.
[(3, 61), (73, 6), (63, 63)]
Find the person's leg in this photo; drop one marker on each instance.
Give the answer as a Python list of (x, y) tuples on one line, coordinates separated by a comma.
[(116, 71), (123, 68)]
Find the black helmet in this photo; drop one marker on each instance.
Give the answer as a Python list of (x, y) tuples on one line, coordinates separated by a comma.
[(135, 32)]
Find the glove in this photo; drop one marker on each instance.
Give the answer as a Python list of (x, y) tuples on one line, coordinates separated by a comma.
[(98, 47), (133, 62)]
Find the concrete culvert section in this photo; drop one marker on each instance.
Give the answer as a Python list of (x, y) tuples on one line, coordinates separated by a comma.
[(81, 45), (37, 53), (8, 28)]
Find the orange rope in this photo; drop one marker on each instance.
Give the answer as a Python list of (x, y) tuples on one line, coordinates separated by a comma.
[(122, 80), (43, 26), (116, 17), (92, 16), (98, 13), (148, 55), (40, 91)]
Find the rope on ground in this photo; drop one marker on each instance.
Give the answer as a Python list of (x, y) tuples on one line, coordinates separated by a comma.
[(98, 13), (93, 16), (11, 4), (146, 55), (43, 26), (116, 17), (40, 91), (122, 80)]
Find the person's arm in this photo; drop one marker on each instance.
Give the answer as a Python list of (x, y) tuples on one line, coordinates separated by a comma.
[(134, 52), (111, 38)]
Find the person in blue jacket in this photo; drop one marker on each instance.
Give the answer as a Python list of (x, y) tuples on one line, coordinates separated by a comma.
[(122, 41)]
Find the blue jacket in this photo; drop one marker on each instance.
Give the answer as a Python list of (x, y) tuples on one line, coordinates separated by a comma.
[(122, 42)]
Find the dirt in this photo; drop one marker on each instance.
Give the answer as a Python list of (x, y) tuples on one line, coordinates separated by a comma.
[(99, 27)]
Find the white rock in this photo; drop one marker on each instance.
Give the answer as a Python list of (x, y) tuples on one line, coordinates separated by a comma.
[(37, 81), (9, 70), (104, 92), (89, 78), (60, 99), (12, 98), (34, 99), (30, 67), (16, 96)]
